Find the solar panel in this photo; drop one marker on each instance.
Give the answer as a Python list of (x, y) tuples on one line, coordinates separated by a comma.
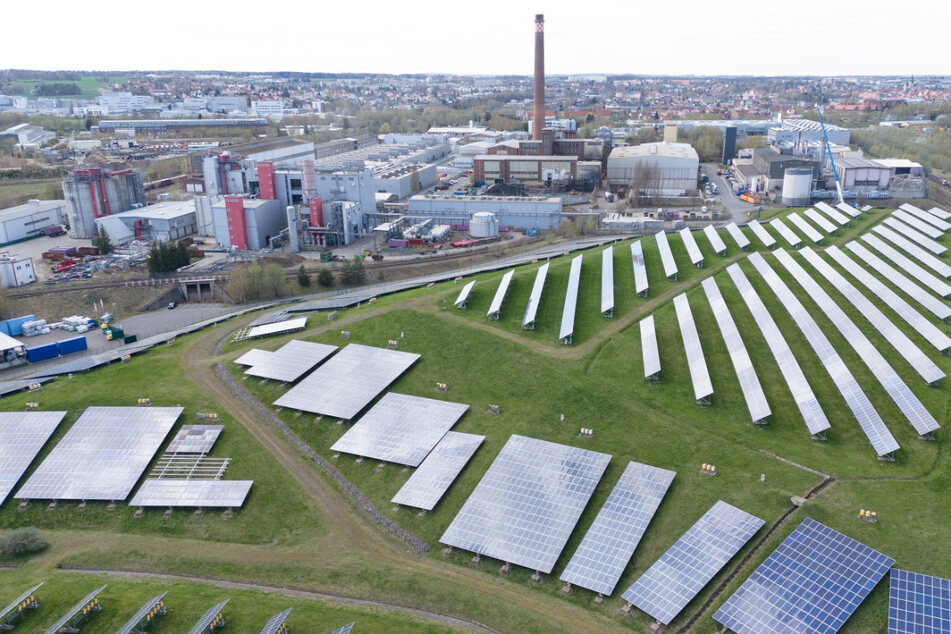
[(812, 582), (22, 435), (253, 357), (193, 493), (212, 616), (437, 472), (280, 327), (914, 250), (693, 251), (608, 545), (195, 439), (649, 348), (682, 572), (75, 611), (567, 330), (275, 624), (14, 609), (291, 361), (102, 455), (836, 215), (805, 227), (527, 503), (702, 388), (920, 225), (745, 373), (348, 381), (918, 604), (934, 305), (640, 270), (806, 401), (716, 242), (786, 233), (849, 210), (928, 217), (132, 626), (528, 321), (892, 334), (607, 282), (912, 317), (937, 212), (868, 419), (914, 235), (820, 220), (666, 257), (344, 629), (762, 234), (401, 428), (496, 307), (738, 236), (463, 298), (927, 279)]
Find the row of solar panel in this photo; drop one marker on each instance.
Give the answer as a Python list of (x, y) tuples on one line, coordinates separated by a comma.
[(922, 421)]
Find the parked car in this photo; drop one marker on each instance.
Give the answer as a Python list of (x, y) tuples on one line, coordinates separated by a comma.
[(172, 305)]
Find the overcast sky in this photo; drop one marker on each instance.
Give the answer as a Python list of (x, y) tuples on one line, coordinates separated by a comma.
[(680, 37)]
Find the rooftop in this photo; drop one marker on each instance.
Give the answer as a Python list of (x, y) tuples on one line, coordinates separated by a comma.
[(897, 162), (162, 211), (804, 124), (662, 148), (30, 208)]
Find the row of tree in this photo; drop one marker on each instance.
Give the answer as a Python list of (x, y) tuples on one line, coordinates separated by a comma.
[(165, 257)]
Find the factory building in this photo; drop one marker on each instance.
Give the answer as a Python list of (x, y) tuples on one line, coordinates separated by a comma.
[(160, 222), (28, 136), (664, 169), (792, 132), (16, 271), (859, 175), (341, 146), (94, 192), (518, 213), (773, 165), (125, 102), (28, 220), (164, 125), (247, 223), (508, 168), (227, 103)]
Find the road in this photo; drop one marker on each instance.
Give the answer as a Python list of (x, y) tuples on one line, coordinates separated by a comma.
[(736, 207)]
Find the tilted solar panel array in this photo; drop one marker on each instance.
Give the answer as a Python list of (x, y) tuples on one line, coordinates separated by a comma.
[(607, 547), (915, 236), (495, 308), (640, 270), (738, 236), (291, 361), (762, 234), (607, 281), (806, 401), (531, 311), (699, 376), (463, 297), (786, 233), (931, 281), (924, 227), (868, 419), (649, 350), (918, 604), (682, 572), (693, 251), (912, 249), (567, 330), (745, 373), (812, 582), (716, 242), (436, 473), (807, 229), (666, 256), (820, 220), (22, 436)]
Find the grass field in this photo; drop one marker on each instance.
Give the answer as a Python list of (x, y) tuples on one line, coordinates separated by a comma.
[(15, 193), (597, 383), (90, 86)]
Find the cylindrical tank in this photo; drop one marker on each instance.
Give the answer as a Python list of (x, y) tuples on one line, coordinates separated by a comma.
[(797, 185), (484, 224)]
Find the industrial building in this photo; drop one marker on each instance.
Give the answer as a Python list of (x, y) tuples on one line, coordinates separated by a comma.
[(517, 213), (160, 222), (247, 223), (16, 271), (859, 175), (94, 192), (164, 125), (657, 169), (773, 165), (508, 168), (29, 219), (792, 132), (28, 136)]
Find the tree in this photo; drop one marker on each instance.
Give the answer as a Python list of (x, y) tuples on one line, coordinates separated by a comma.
[(22, 541), (302, 277), (252, 282), (88, 123), (352, 272), (102, 241), (325, 277)]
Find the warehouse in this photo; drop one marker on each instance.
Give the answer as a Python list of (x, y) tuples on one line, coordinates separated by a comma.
[(517, 213), (497, 167), (28, 220), (793, 132), (665, 169), (160, 222)]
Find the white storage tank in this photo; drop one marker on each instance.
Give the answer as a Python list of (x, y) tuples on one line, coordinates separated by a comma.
[(484, 224), (797, 186)]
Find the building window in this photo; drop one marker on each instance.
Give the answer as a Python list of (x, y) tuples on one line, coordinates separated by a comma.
[(295, 183)]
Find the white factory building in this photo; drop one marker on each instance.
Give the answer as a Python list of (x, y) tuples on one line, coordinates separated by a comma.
[(794, 132), (29, 219), (664, 169), (16, 271), (160, 222), (517, 213)]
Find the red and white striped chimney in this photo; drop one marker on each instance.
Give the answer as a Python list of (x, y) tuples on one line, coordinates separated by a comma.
[(538, 120)]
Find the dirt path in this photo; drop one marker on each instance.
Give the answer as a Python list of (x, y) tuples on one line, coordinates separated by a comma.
[(289, 591)]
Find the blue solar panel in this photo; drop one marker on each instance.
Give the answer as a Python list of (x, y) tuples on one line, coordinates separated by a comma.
[(676, 578), (918, 604), (812, 582)]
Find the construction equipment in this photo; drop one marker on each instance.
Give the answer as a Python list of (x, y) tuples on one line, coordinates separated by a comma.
[(835, 172)]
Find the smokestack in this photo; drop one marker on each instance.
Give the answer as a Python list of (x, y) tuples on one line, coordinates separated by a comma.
[(538, 120)]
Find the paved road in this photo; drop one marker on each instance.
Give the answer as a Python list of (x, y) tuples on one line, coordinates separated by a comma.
[(736, 207)]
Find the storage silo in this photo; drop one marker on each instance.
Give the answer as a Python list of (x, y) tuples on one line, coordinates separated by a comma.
[(797, 186), (484, 224)]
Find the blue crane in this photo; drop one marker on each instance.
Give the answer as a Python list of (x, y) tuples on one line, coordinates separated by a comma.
[(835, 172)]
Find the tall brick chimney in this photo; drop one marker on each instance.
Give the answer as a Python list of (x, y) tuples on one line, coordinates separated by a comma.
[(538, 120)]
